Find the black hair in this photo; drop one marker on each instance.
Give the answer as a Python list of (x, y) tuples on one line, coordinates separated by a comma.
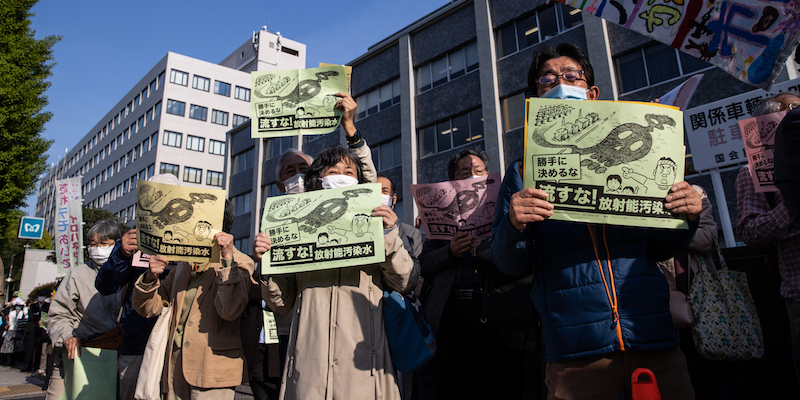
[(453, 164), (562, 50), (328, 158), (615, 177), (391, 182), (323, 234)]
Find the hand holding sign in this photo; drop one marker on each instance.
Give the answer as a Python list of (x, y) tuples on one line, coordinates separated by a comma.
[(683, 199), (225, 243), (388, 215), (261, 245), (129, 243), (157, 265), (529, 205)]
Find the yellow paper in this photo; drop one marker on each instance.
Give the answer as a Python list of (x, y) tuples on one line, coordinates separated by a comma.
[(605, 162), (323, 229), (179, 222)]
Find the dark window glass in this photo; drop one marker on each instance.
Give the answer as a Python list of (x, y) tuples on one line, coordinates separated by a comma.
[(547, 22), (527, 32), (439, 71), (506, 41), (691, 64), (427, 141), (571, 16), (630, 70), (443, 136), (471, 55), (460, 130), (424, 78), (661, 63), (457, 63)]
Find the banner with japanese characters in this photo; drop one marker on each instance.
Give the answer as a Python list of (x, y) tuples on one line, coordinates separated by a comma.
[(759, 144), (605, 162), (323, 229), (179, 222), (69, 224), (749, 39), (452, 207), (715, 138), (290, 103)]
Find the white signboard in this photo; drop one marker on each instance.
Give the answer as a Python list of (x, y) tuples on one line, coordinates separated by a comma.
[(715, 139)]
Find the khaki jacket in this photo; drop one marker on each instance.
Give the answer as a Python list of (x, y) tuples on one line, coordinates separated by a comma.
[(212, 344), (337, 346)]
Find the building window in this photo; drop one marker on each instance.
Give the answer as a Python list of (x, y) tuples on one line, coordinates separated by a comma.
[(201, 83), (195, 143), (222, 88), (175, 107), (151, 170), (214, 178), (450, 66), (154, 140), (534, 28), (146, 93), (451, 133), (219, 117), (272, 190), (193, 175), (198, 112), (172, 138), (513, 111), (378, 99), (176, 77), (243, 161), (289, 51), (146, 145), (239, 119), (216, 147), (241, 93), (243, 243), (276, 146), (241, 204), (168, 169), (387, 155), (653, 65)]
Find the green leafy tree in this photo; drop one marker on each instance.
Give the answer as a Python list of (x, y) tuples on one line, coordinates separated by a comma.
[(25, 63)]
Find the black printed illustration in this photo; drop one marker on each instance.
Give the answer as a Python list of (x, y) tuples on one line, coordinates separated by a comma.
[(664, 174), (326, 212), (176, 210)]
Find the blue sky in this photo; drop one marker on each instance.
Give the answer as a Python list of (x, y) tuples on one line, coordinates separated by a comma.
[(107, 46)]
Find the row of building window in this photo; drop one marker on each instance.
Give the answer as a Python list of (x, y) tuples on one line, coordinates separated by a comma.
[(536, 27), (139, 150), (378, 99), (196, 143), (197, 112), (202, 83), (387, 155), (192, 175), (454, 132), (126, 186), (448, 67), (652, 65)]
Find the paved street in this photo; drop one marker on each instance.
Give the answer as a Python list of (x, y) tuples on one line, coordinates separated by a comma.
[(18, 385)]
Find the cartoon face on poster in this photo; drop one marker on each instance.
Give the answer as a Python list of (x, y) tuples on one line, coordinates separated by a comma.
[(292, 102), (605, 162), (759, 144), (451, 207), (179, 222), (323, 229)]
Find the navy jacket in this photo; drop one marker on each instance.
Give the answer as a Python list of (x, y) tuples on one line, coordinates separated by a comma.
[(113, 275), (573, 297)]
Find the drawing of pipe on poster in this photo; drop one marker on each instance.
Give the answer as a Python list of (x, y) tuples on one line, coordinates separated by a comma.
[(605, 162), (451, 207), (179, 222), (323, 229), (759, 144), (287, 103)]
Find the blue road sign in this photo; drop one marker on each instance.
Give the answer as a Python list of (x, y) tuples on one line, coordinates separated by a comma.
[(31, 228)]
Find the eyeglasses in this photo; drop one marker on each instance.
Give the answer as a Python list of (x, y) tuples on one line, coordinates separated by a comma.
[(790, 107), (568, 76)]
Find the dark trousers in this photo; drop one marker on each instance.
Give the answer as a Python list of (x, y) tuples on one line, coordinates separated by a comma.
[(264, 386), (473, 360)]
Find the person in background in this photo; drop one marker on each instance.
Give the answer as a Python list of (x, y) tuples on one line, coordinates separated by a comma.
[(34, 332), (787, 156), (117, 276), (407, 232), (467, 349), (13, 340), (78, 312), (591, 352), (204, 358), (347, 299)]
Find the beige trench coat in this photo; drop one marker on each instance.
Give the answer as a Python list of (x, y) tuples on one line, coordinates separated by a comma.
[(337, 346), (212, 343)]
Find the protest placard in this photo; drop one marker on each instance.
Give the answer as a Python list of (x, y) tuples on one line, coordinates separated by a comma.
[(452, 207), (759, 144), (69, 224), (287, 103), (323, 229), (605, 162), (179, 222)]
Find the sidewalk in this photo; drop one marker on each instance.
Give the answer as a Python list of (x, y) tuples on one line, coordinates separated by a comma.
[(19, 385)]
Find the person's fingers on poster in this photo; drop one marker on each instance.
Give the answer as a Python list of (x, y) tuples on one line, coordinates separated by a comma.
[(129, 243), (683, 199), (73, 346), (225, 243), (528, 205), (460, 244), (388, 215), (157, 265), (347, 105), (261, 245)]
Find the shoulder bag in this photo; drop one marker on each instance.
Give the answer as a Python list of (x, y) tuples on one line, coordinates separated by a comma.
[(411, 341)]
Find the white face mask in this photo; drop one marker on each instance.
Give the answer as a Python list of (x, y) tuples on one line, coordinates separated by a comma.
[(387, 200), (566, 92), (100, 254), (476, 176), (294, 185), (338, 181)]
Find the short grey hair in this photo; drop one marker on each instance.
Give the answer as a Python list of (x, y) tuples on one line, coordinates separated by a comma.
[(104, 229), (770, 104), (286, 154)]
